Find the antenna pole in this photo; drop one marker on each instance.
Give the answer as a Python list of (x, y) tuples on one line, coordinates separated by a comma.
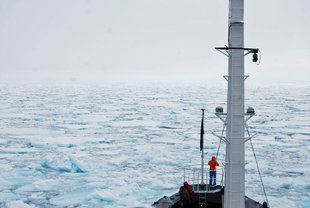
[(201, 147), (202, 168)]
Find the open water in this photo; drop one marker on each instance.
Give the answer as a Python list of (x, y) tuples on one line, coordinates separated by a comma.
[(123, 145)]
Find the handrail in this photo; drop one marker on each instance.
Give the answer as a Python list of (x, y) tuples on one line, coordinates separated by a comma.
[(192, 174)]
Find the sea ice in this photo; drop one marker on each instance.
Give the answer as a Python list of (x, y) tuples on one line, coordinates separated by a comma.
[(125, 146)]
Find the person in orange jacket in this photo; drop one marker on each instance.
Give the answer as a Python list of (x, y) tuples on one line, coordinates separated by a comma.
[(185, 193), (212, 163)]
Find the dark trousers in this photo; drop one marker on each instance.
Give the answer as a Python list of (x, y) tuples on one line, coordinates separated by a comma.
[(212, 177)]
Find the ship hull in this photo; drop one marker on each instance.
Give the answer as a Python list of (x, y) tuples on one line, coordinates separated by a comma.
[(211, 198)]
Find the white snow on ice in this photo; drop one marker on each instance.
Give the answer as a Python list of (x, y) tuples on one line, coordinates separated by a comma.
[(124, 145)]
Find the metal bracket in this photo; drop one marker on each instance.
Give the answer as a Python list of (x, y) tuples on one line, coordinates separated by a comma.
[(250, 137), (219, 116), (227, 76), (226, 48), (226, 54), (220, 137), (249, 117)]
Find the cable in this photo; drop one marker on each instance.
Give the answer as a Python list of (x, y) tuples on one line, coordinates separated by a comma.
[(260, 175), (218, 149)]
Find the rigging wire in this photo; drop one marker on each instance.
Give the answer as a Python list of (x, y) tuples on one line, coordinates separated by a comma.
[(218, 149), (260, 175)]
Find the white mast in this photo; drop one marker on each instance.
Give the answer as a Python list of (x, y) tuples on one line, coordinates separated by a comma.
[(234, 194)]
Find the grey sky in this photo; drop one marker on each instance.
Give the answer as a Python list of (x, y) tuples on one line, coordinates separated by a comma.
[(148, 40)]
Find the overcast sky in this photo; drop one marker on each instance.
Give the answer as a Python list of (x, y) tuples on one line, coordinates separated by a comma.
[(148, 40)]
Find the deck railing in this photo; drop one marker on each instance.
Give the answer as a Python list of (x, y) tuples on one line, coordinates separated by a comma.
[(192, 174)]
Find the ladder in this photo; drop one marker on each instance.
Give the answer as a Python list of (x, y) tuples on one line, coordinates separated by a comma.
[(202, 200)]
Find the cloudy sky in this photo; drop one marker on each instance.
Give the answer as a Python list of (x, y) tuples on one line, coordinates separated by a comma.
[(148, 40)]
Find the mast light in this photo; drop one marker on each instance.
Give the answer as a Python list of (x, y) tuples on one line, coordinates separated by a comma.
[(219, 109), (250, 110), (255, 57)]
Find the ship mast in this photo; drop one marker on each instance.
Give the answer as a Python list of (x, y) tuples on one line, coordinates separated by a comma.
[(235, 161), (234, 193)]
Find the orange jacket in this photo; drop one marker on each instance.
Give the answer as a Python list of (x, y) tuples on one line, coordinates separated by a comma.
[(213, 163)]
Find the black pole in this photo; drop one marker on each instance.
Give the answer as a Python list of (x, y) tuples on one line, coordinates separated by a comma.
[(202, 130)]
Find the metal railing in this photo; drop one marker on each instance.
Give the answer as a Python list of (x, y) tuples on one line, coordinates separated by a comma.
[(192, 174)]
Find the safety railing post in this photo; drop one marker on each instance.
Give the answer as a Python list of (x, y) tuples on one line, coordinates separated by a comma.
[(198, 182)]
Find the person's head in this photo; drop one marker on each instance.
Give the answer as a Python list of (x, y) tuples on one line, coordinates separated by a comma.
[(185, 183), (265, 205), (213, 158)]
